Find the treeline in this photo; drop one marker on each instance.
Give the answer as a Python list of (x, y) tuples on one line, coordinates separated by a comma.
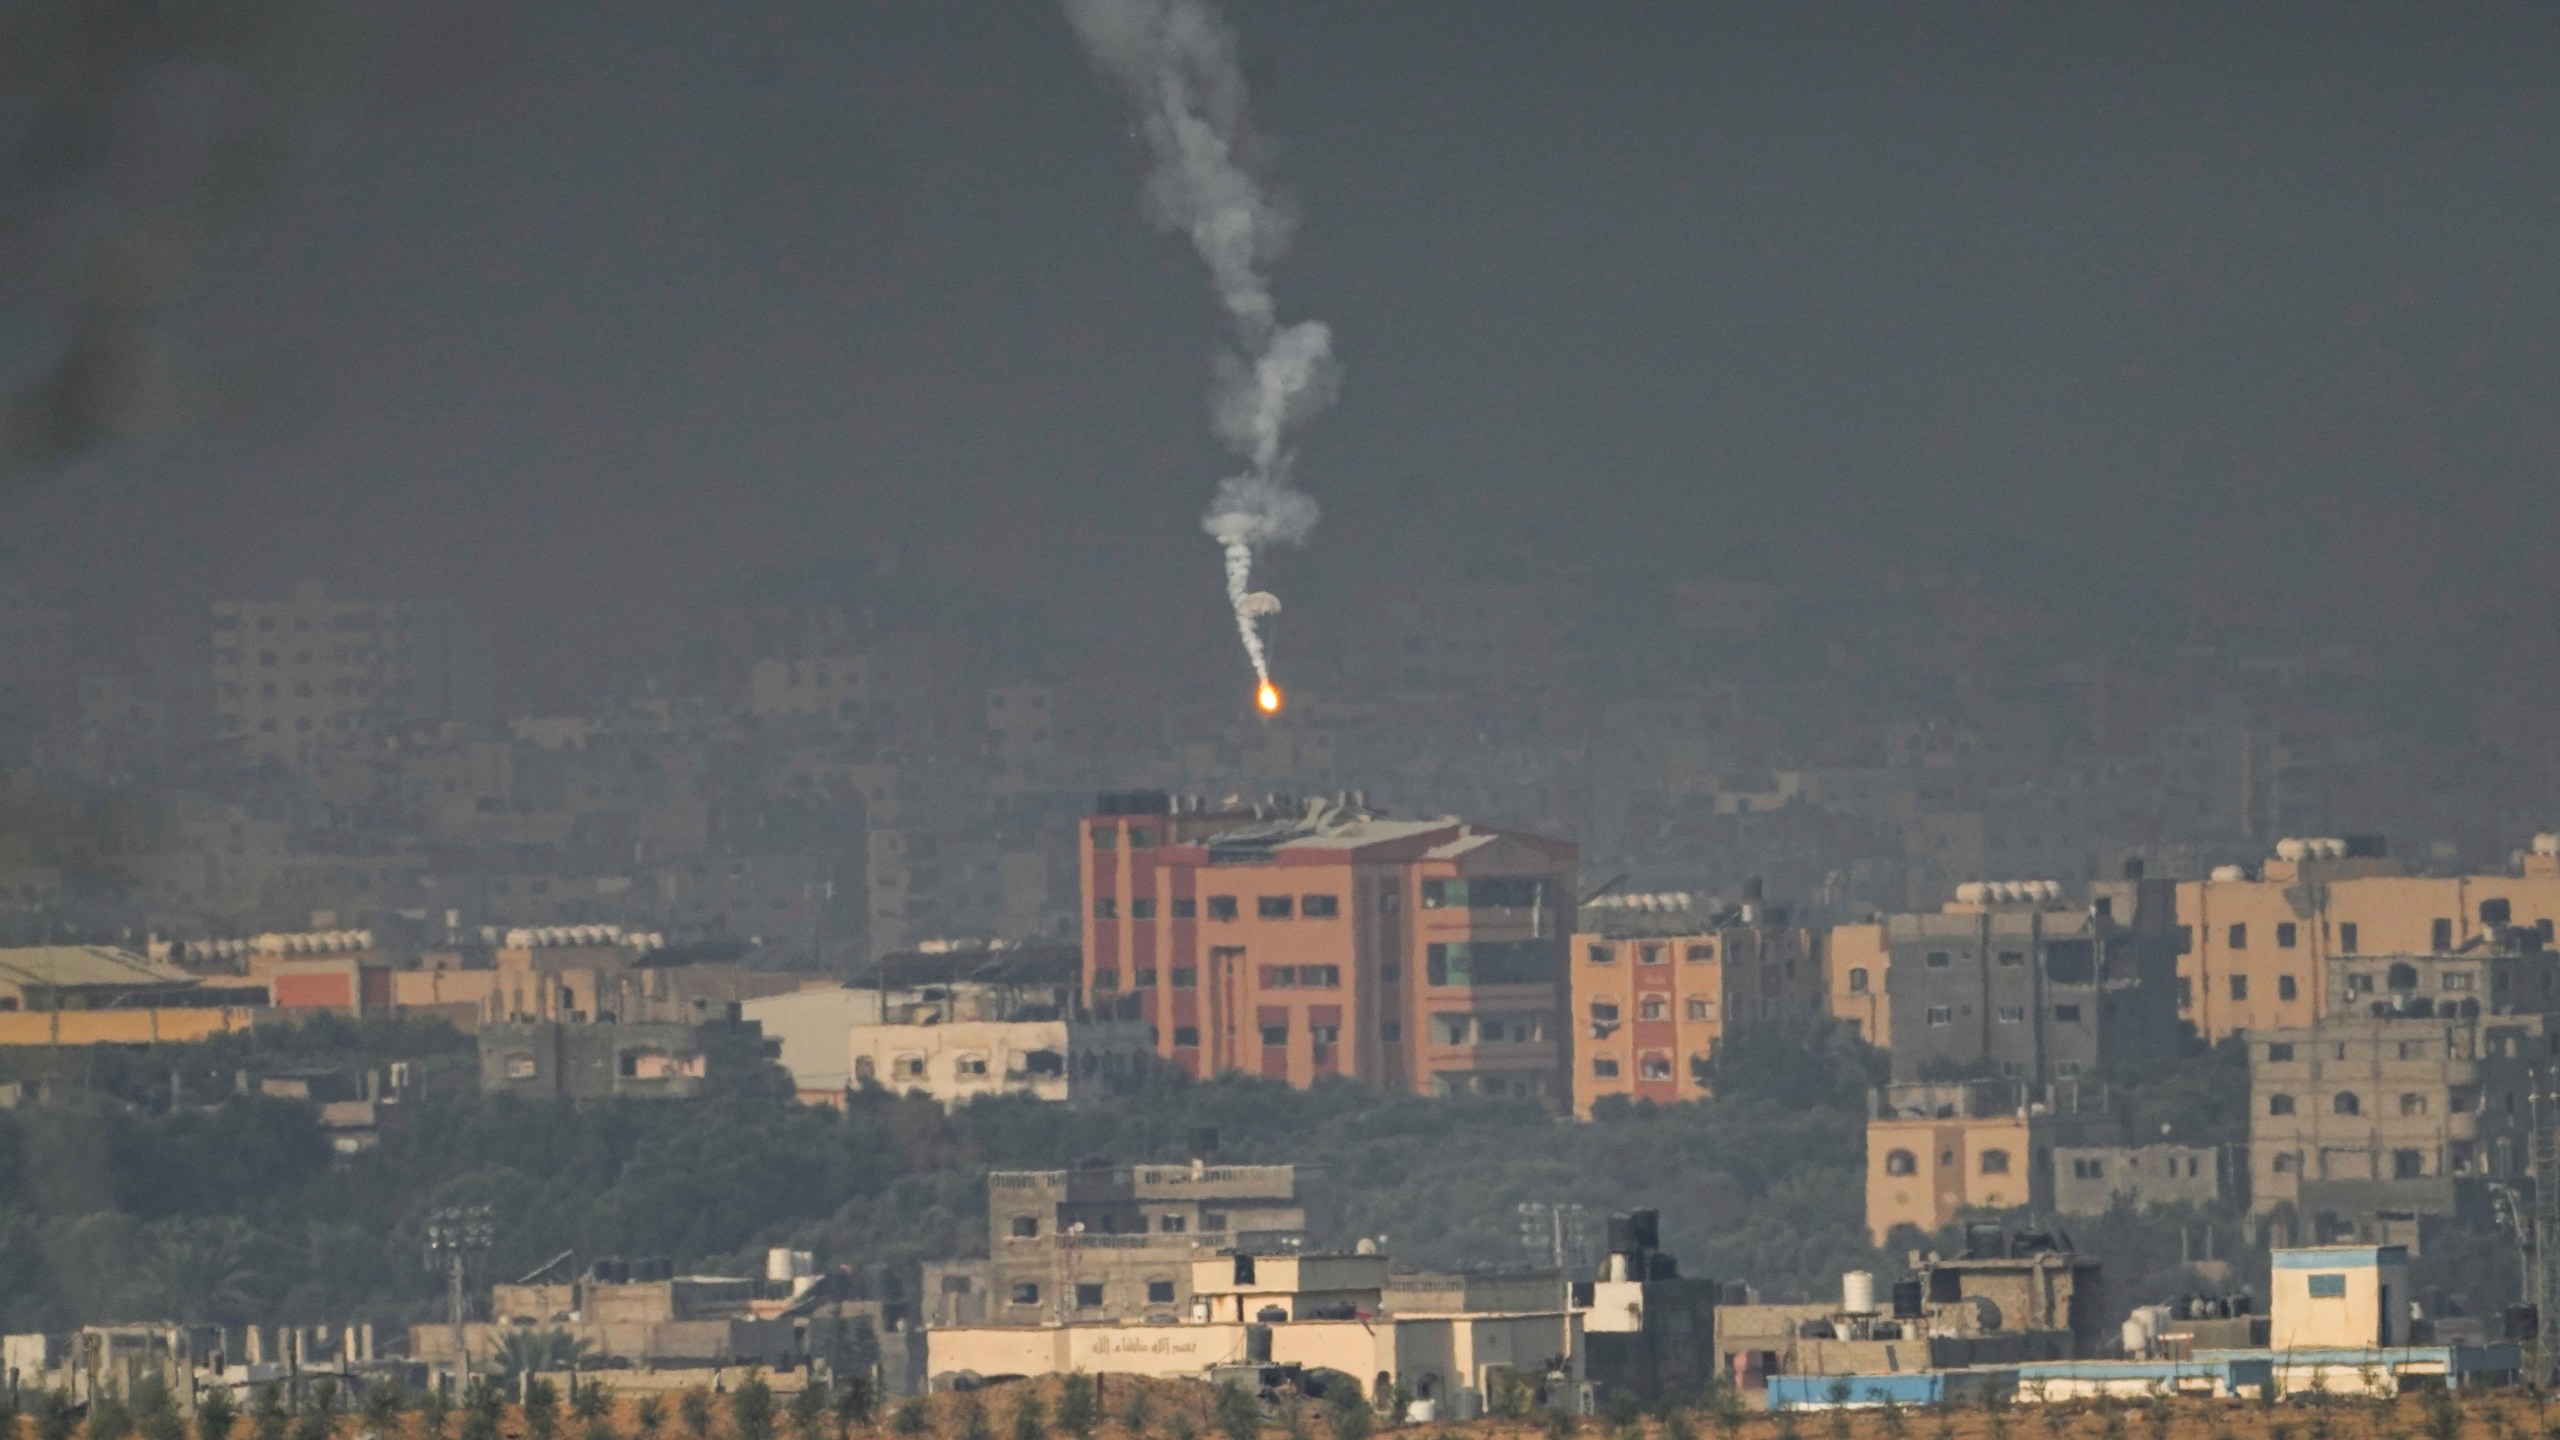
[(117, 1204)]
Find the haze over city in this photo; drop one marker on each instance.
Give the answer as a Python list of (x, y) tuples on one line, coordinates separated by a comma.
[(749, 663)]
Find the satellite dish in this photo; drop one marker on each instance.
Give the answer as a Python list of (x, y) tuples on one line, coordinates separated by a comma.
[(1258, 604)]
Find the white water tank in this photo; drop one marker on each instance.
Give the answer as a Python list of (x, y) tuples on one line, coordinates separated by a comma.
[(2547, 843), (1972, 892), (2228, 873), (2290, 849), (782, 1265), (1858, 1293)]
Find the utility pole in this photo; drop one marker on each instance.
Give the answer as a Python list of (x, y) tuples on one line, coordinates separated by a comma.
[(455, 1236)]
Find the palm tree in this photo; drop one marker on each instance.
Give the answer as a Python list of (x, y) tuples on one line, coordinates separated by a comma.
[(198, 1271), (523, 1352)]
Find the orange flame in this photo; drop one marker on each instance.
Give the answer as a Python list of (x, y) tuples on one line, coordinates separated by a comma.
[(1268, 697)]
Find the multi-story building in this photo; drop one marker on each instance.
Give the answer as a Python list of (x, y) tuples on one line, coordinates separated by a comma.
[(2094, 1179), (1937, 1150), (1660, 980), (2362, 1124), (2010, 977), (1856, 961), (2259, 947), (1113, 1243), (833, 688), (309, 672), (1312, 939)]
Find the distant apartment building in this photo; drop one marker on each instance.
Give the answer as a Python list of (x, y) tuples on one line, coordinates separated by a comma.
[(2260, 945), (955, 1026), (293, 677), (2094, 1179), (2012, 979), (1660, 979), (1935, 1151), (1856, 962), (587, 1063), (2363, 1124), (1113, 1243), (832, 688), (1303, 940)]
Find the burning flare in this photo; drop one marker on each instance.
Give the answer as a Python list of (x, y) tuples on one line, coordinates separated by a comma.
[(1268, 697)]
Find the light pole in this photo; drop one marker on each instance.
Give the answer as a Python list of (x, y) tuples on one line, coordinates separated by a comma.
[(455, 1236)]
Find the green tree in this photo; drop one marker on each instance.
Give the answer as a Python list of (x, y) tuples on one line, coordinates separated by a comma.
[(1078, 1411), (433, 1408), (973, 1418), (541, 1407), (1347, 1412), (1236, 1413), (216, 1413), (911, 1417), (57, 1416), (810, 1410), (751, 1408), (1030, 1418), (591, 1402), (1897, 1425), (2442, 1418), (383, 1402), (1507, 1393), (483, 1403), (855, 1403), (648, 1417), (109, 1417), (155, 1412), (693, 1411), (1835, 1419), (1676, 1426), (600, 1427), (268, 1419), (1135, 1413)]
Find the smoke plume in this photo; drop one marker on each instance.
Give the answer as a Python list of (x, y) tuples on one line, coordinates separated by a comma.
[(1176, 60)]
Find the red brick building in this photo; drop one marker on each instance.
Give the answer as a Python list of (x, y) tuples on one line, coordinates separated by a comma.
[(1312, 938)]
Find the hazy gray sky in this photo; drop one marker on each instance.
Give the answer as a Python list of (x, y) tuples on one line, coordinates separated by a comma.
[(589, 313)]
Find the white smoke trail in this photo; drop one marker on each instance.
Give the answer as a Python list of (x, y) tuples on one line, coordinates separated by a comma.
[(1176, 60)]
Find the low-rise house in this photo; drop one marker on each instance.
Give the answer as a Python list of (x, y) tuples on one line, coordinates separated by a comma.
[(2094, 1179), (652, 1060), (1936, 1150)]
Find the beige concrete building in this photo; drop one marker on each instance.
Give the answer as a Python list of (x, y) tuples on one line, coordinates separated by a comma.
[(2260, 945), (820, 687), (1111, 1244), (2338, 1297), (1855, 963), (2093, 1179), (1935, 1151), (294, 676)]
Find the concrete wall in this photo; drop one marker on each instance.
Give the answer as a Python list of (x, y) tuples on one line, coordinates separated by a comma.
[(126, 1027)]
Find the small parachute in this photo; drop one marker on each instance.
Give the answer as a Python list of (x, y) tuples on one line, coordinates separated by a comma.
[(1258, 604)]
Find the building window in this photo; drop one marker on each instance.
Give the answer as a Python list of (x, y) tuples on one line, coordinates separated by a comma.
[(2346, 1103), (1702, 1009), (1105, 908), (1144, 977), (2328, 1287), (1026, 1227), (1171, 1224), (2066, 1014), (1995, 1162), (1142, 909), (2085, 1169), (2013, 1014), (2278, 1054), (1651, 953), (1701, 952), (1604, 1012), (1601, 954), (1159, 1292), (1901, 1162), (1106, 837), (1275, 1036), (2440, 934), (1653, 1067), (2347, 938), (1089, 1296), (1185, 978), (1858, 980), (2413, 1104), (2011, 959), (1937, 960), (2457, 980), (2279, 1104), (1106, 979), (2239, 937), (1279, 977), (1222, 907), (1604, 1067), (1320, 977), (2287, 1164), (2285, 988), (1026, 1292), (1273, 907), (1942, 1015), (1325, 1034), (1186, 909), (1320, 907), (2239, 987), (2285, 934), (1654, 1007), (1185, 1037)]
